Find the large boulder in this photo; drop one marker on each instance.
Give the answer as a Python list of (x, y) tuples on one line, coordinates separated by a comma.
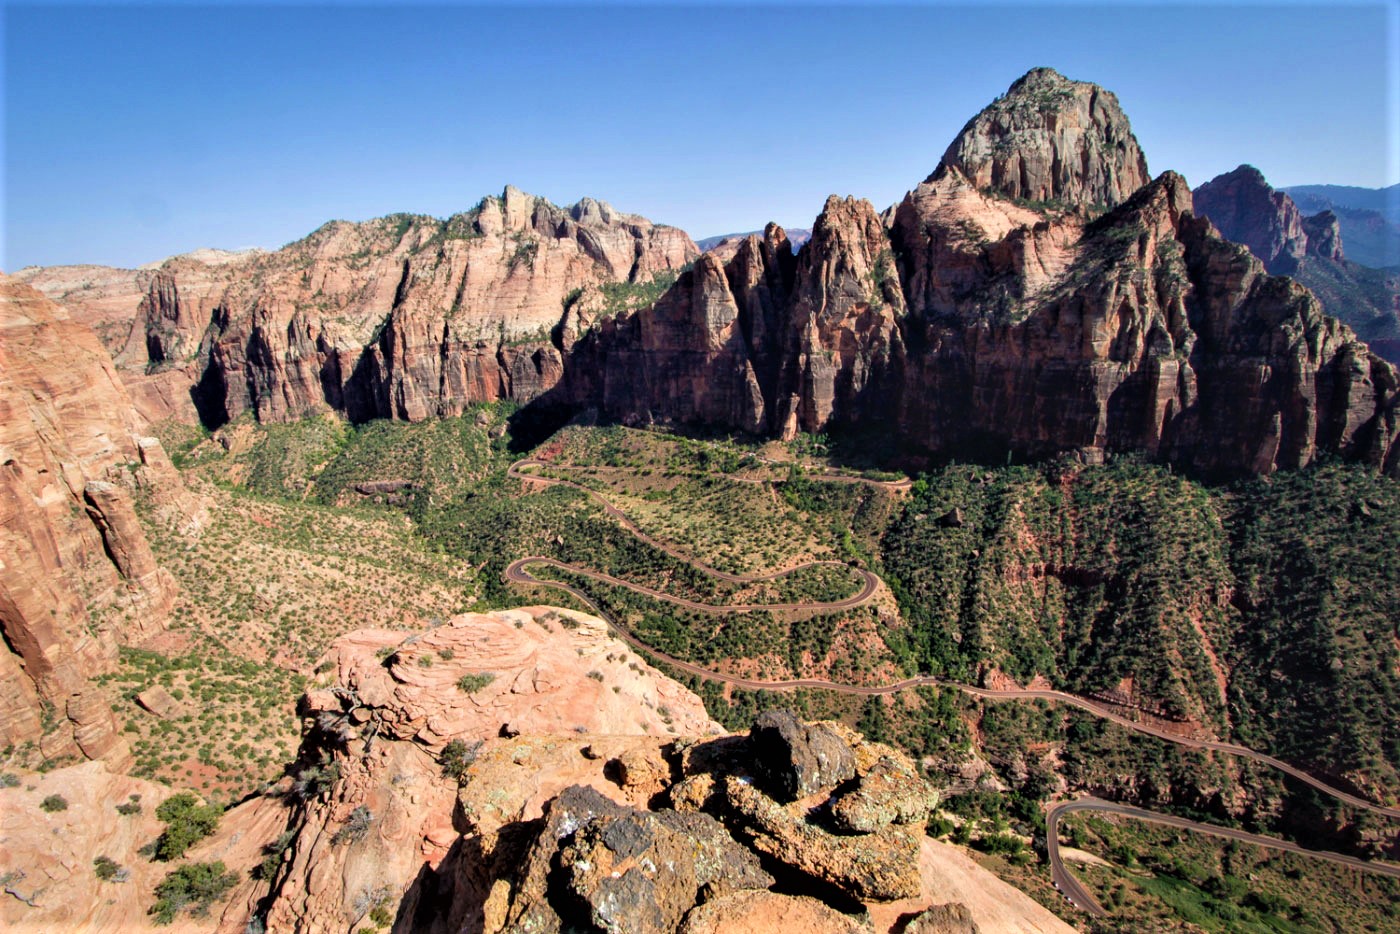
[(764, 912), (794, 759), (889, 792), (602, 865)]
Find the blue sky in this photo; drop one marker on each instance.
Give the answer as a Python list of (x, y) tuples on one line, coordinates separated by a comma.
[(135, 132)]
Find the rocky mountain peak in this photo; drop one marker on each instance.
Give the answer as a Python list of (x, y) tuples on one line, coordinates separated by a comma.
[(1246, 209), (1049, 138), (1324, 231)]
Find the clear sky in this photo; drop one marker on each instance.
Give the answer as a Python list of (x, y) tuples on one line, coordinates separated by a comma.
[(135, 132)]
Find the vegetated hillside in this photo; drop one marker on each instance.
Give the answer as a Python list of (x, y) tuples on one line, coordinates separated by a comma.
[(1267, 612), (1264, 612), (1122, 577), (1157, 879)]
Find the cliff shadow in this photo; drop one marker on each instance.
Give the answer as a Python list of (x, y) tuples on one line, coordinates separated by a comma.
[(538, 420), (210, 396)]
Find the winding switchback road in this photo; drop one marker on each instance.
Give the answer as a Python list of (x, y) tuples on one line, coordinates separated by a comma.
[(517, 572), (1079, 896)]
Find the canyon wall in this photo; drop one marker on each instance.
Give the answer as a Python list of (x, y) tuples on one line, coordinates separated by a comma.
[(77, 575), (1038, 294)]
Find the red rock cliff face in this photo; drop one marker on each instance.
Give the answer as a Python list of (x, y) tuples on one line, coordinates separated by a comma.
[(1037, 294), (1246, 210), (765, 342), (402, 317), (1144, 330), (71, 448), (980, 323)]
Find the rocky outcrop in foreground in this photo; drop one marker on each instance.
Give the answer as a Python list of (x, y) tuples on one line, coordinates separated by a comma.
[(522, 770), (77, 576), (537, 776)]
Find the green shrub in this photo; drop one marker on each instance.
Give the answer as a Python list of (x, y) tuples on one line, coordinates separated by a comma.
[(313, 780), (470, 684), (939, 826), (381, 916), (356, 827), (106, 868), (457, 756), (186, 823), (194, 887), (9, 780), (54, 803), (274, 853)]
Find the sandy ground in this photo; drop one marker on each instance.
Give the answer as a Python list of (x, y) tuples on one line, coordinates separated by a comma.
[(950, 875)]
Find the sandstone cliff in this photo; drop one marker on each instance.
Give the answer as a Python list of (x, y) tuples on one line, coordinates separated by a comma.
[(1037, 295), (116, 304), (77, 575), (1248, 211), (401, 317), (973, 324)]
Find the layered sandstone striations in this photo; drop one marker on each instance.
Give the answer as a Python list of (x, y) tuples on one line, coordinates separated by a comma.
[(1037, 295), (383, 724), (768, 342), (77, 575), (1248, 211), (119, 305), (401, 317)]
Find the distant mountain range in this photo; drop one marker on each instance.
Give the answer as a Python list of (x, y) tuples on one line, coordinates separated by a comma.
[(796, 236), (1370, 218), (1314, 249)]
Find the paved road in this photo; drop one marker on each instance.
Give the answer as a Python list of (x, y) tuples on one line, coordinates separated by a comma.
[(518, 573), (1078, 895), (1068, 884)]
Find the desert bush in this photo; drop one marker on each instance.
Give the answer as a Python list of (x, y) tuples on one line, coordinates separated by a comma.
[(457, 756), (187, 821), (194, 887), (356, 827), (470, 684)]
